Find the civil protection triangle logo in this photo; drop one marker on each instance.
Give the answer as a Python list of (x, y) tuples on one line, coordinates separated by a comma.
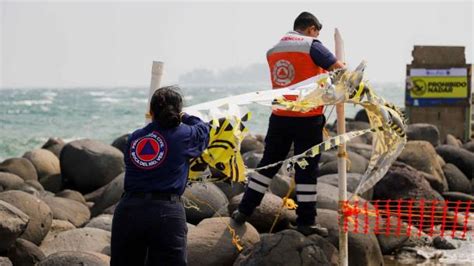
[(149, 151)]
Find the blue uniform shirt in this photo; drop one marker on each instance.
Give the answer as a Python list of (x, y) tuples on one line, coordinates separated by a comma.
[(321, 55), (157, 159)]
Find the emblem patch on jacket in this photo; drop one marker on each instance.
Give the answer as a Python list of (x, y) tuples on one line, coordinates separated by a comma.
[(149, 151), (283, 72)]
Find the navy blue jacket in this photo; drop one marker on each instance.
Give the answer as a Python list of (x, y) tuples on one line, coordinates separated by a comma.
[(157, 159)]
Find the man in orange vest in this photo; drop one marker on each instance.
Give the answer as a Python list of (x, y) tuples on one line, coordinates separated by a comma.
[(296, 58)]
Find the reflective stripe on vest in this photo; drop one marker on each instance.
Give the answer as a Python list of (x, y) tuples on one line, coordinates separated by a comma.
[(290, 63)]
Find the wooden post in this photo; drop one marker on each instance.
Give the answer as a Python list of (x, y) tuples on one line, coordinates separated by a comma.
[(341, 161), (156, 75)]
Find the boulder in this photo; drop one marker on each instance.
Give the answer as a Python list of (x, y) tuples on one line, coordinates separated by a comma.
[(231, 189), (251, 143), (54, 145), (52, 183), (68, 210), (455, 196), (212, 236), (422, 156), (356, 164), (252, 158), (206, 198), (404, 182), (264, 215), (422, 131), (28, 189), (13, 223), (463, 159), (363, 248), (72, 195), (25, 253), (58, 226), (328, 156), (110, 196), (457, 181), (443, 243), (87, 164), (81, 239), (453, 141), (103, 222), (39, 212), (121, 142), (9, 181), (361, 116), (4, 261), (280, 185), (365, 150), (289, 247), (74, 258), (469, 146), (21, 167), (94, 195), (44, 161), (34, 183), (353, 180)]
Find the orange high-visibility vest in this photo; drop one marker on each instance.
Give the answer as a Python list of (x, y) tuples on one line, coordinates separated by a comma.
[(290, 62)]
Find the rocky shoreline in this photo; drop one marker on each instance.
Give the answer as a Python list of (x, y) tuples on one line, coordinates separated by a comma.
[(57, 202)]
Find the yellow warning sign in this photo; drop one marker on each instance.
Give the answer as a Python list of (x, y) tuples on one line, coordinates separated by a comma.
[(439, 87)]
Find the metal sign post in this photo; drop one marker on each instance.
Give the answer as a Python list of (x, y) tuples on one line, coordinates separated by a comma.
[(156, 75), (341, 161)]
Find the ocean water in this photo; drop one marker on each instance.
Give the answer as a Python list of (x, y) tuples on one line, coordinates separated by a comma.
[(28, 117)]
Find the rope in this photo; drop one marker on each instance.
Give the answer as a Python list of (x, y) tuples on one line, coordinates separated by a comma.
[(287, 202)]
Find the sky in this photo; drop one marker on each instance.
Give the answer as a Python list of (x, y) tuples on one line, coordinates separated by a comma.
[(109, 44)]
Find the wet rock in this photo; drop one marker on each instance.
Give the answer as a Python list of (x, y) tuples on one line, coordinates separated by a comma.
[(81, 239), (404, 182), (72, 195), (251, 143), (52, 183), (289, 247), (58, 226), (457, 181), (4, 261), (121, 142), (9, 181), (357, 164), (353, 180), (74, 258), (25, 253), (230, 189), (264, 215), (44, 161), (361, 115), (421, 155), (280, 185), (13, 223), (39, 212), (363, 248), (21, 167), (212, 236), (68, 210), (469, 146), (87, 164), (252, 158), (442, 243), (103, 222), (362, 149), (421, 131), (206, 197), (54, 145), (455, 196), (453, 141), (110, 196), (463, 159)]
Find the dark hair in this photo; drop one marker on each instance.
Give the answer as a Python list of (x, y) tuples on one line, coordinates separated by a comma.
[(305, 20), (166, 105)]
